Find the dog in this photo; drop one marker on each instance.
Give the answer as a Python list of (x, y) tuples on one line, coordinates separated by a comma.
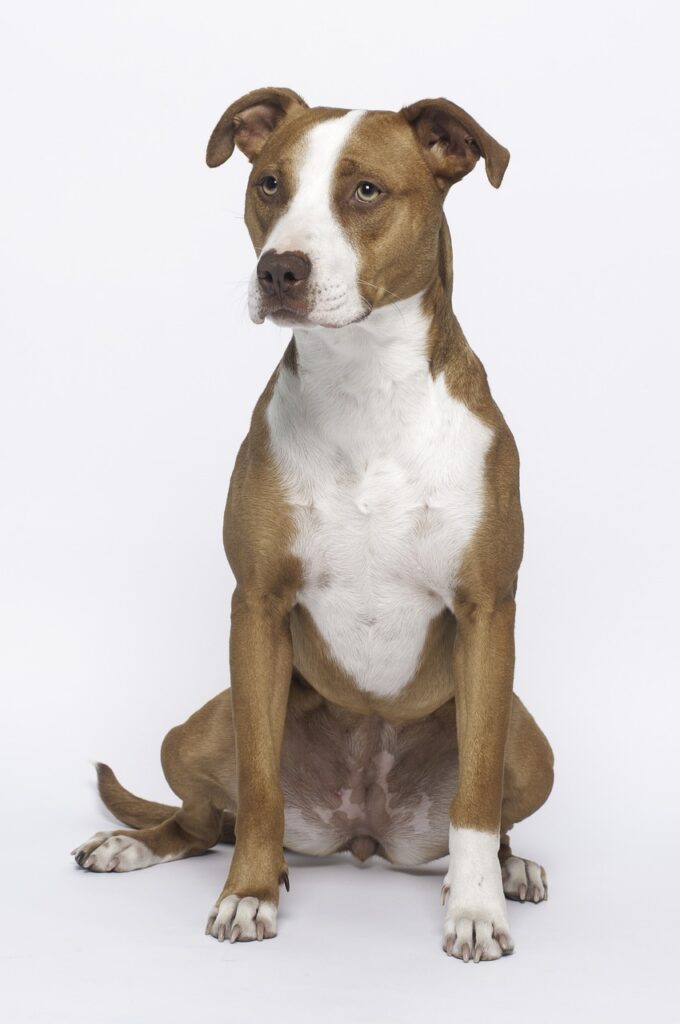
[(374, 529)]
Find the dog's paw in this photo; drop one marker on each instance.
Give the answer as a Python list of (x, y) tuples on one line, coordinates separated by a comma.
[(106, 851), (476, 924), (524, 880), (242, 919), (476, 938), (475, 928)]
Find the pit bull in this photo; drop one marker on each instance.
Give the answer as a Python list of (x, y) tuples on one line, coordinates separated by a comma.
[(374, 529)]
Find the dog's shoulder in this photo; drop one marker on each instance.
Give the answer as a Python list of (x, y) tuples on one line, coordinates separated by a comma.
[(258, 528)]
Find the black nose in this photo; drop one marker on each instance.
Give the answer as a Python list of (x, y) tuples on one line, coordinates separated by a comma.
[(280, 272)]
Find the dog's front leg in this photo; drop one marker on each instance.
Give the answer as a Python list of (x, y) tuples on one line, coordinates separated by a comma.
[(476, 925), (261, 667)]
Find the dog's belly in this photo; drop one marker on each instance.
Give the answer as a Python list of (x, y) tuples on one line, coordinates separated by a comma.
[(359, 783)]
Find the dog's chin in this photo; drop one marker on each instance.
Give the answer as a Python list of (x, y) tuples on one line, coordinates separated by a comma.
[(288, 318), (292, 318)]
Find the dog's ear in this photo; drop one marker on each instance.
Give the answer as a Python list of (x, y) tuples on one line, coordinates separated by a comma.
[(249, 122), (453, 142)]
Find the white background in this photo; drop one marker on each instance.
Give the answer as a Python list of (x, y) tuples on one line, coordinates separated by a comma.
[(129, 371)]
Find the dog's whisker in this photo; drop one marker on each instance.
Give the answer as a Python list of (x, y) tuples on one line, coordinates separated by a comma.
[(396, 303), (378, 287)]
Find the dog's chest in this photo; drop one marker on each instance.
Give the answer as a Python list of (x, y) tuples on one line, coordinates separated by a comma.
[(387, 484)]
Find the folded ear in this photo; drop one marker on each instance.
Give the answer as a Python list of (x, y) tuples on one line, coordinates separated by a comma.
[(249, 122), (453, 142)]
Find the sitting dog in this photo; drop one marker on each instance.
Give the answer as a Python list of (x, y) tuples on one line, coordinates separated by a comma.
[(374, 529)]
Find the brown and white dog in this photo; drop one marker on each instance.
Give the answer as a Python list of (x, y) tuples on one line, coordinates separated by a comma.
[(374, 528)]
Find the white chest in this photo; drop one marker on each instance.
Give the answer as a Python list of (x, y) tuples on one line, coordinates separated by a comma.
[(385, 472)]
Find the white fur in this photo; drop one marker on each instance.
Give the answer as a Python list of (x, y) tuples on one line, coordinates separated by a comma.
[(242, 918), (385, 471), (476, 914), (108, 852), (310, 226)]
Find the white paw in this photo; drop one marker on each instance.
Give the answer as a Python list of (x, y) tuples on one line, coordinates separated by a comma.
[(476, 924), (241, 919), (105, 851), (524, 880)]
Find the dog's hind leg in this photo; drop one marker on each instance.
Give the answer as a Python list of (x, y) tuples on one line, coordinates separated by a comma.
[(199, 763), (194, 828), (527, 781)]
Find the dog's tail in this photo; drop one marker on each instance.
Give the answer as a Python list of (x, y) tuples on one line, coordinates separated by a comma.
[(127, 807)]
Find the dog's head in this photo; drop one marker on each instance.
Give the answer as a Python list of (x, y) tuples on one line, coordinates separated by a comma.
[(344, 208)]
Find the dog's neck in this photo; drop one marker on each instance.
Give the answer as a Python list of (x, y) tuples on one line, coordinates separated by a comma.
[(389, 345), (392, 345)]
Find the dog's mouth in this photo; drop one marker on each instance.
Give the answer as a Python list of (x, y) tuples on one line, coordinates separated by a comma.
[(288, 316), (284, 316)]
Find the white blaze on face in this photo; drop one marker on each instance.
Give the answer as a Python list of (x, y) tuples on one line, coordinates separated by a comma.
[(310, 226)]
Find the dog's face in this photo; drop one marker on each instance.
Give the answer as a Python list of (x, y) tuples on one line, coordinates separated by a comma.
[(344, 208)]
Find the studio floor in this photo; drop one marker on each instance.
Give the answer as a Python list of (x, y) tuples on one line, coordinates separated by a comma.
[(355, 944)]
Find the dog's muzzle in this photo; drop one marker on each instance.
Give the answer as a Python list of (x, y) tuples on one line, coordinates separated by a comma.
[(283, 280)]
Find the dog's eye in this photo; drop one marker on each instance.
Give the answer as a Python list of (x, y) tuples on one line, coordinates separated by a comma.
[(367, 192), (270, 185)]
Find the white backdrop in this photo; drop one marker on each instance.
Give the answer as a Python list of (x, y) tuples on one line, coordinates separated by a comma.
[(129, 371)]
